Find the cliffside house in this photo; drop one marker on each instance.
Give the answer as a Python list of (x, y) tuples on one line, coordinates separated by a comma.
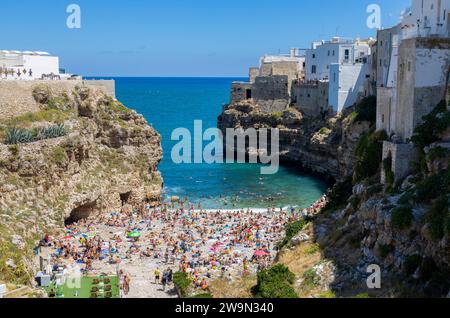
[(412, 76), (345, 65), (270, 84), (28, 65)]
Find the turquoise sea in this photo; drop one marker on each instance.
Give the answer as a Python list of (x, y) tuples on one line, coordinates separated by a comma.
[(169, 103)]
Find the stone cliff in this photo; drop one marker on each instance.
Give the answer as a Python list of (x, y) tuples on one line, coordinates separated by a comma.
[(105, 160), (402, 227), (323, 145)]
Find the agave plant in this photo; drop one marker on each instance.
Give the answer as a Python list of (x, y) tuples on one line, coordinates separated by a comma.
[(51, 132), (18, 136), (21, 136)]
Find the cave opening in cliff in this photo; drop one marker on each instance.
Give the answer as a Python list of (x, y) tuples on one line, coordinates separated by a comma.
[(80, 213), (124, 197)]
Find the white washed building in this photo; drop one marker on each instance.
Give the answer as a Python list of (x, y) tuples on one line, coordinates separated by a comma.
[(413, 67), (338, 50), (347, 84), (426, 18), (28, 65)]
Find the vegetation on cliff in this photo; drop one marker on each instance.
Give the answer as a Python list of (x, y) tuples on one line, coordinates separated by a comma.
[(275, 282), (83, 152)]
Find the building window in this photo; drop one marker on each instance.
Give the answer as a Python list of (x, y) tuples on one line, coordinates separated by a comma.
[(328, 52), (382, 118), (347, 54), (334, 77), (409, 66), (313, 69), (313, 56), (334, 53)]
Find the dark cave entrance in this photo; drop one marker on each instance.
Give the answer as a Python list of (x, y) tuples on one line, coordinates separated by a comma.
[(124, 197), (81, 213)]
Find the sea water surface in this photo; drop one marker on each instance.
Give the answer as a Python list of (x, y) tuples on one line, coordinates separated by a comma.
[(170, 103)]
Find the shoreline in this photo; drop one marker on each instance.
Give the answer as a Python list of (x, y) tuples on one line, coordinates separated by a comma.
[(206, 244)]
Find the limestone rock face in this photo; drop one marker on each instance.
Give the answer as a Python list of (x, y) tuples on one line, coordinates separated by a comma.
[(107, 160), (321, 145)]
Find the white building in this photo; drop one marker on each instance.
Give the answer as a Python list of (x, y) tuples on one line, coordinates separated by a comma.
[(426, 18), (347, 85), (413, 68), (27, 65), (338, 50)]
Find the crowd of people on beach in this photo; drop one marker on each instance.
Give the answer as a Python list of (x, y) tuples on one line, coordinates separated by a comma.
[(179, 237)]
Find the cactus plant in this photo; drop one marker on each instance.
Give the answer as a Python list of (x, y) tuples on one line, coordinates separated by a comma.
[(21, 136)]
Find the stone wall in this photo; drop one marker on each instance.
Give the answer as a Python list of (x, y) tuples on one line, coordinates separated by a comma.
[(240, 91), (402, 155), (271, 93), (423, 66), (385, 108), (16, 97), (310, 98), (253, 73)]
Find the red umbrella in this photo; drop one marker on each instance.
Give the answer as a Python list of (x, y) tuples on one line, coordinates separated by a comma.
[(260, 253)]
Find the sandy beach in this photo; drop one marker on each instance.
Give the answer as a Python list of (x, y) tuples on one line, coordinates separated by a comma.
[(140, 244)]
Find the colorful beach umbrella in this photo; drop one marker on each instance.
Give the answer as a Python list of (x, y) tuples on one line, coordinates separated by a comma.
[(134, 234), (260, 253)]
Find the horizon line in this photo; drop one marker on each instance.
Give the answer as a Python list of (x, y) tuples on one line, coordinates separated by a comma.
[(164, 76)]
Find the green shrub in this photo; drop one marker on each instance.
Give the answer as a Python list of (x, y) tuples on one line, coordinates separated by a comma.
[(437, 153), (432, 186), (312, 249), (411, 264), (14, 149), (292, 229), (428, 269), (339, 194), (366, 110), (205, 295), (276, 116), (438, 217), (369, 153), (328, 294), (59, 155), (354, 201), (310, 278), (181, 280), (324, 131), (433, 124), (402, 217), (47, 115), (406, 198), (275, 282), (385, 250)]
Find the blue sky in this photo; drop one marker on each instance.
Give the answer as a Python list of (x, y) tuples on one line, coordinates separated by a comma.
[(181, 37)]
